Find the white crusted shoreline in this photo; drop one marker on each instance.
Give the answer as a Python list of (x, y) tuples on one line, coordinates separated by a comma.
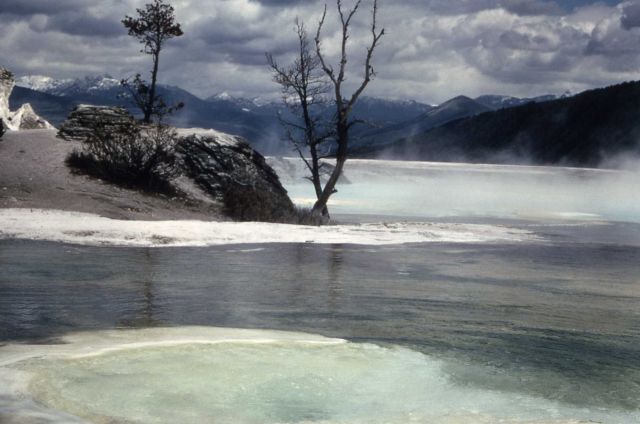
[(89, 229)]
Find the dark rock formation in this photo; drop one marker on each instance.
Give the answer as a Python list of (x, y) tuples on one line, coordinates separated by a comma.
[(1, 128), (84, 118), (227, 168)]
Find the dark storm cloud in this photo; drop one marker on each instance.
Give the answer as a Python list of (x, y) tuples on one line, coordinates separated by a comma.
[(32, 7), (630, 16), (78, 23), (222, 32), (280, 2), (433, 49), (520, 7), (532, 7)]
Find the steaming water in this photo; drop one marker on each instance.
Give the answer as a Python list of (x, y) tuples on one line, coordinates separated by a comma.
[(423, 189), (546, 331)]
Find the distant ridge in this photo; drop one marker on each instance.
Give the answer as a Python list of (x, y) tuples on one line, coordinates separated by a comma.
[(456, 108), (583, 130)]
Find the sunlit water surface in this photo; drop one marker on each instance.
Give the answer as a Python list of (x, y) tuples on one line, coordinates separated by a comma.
[(539, 332)]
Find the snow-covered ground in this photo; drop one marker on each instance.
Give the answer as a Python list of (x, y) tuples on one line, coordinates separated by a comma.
[(82, 228)]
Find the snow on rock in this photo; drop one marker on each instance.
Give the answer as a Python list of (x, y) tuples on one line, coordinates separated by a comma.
[(89, 229), (221, 138), (25, 117)]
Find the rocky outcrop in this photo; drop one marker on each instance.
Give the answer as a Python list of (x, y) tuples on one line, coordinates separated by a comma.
[(6, 87), (228, 169), (22, 119), (225, 167), (84, 118)]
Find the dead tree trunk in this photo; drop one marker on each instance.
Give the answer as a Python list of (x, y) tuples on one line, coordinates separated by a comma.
[(344, 106), (304, 87)]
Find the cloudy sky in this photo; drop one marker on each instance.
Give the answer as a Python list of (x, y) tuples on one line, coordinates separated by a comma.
[(433, 50)]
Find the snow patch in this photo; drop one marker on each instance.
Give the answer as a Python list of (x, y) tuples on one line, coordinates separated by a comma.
[(89, 229), (41, 83), (221, 138)]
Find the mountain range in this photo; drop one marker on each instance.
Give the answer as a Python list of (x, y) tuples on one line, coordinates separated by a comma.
[(587, 129), (390, 127), (254, 119)]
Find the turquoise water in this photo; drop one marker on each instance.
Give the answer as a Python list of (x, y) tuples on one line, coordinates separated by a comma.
[(429, 189)]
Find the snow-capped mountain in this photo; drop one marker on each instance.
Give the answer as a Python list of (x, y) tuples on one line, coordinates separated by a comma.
[(497, 102), (69, 87), (243, 103), (41, 83)]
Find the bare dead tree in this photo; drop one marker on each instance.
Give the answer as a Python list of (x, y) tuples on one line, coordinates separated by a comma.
[(344, 105), (304, 88)]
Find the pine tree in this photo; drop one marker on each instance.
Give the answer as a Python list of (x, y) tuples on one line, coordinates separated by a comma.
[(154, 25)]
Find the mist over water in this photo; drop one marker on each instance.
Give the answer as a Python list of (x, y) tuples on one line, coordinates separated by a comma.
[(423, 189)]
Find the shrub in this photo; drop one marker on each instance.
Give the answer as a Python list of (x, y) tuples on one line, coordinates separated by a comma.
[(129, 155)]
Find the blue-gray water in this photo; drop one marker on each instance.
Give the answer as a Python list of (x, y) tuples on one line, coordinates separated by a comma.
[(559, 318)]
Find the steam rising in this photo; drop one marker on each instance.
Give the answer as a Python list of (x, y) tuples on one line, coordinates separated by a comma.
[(426, 189)]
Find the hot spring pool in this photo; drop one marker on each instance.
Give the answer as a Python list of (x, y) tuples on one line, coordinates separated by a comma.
[(209, 375)]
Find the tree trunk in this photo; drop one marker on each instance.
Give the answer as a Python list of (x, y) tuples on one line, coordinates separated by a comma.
[(152, 90), (315, 177), (341, 158)]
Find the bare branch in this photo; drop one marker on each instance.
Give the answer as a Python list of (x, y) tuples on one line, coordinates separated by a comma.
[(369, 72), (326, 68)]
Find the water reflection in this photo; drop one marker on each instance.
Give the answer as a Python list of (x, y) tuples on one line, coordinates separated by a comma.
[(561, 309), (144, 278), (335, 261)]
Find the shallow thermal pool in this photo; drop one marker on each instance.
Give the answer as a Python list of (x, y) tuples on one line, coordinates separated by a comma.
[(197, 375)]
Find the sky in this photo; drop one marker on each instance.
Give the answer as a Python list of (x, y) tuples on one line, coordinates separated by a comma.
[(433, 49)]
